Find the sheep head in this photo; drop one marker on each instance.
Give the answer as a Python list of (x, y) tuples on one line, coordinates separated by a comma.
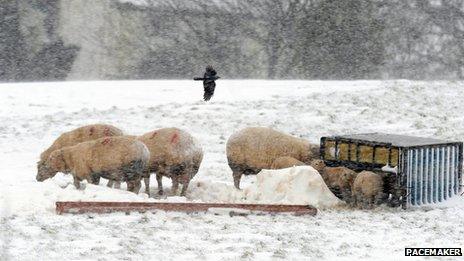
[(310, 152), (315, 151), (43, 171), (48, 169), (318, 165), (347, 179)]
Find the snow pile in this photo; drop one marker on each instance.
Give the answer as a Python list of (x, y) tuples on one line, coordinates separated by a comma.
[(295, 185), (216, 192)]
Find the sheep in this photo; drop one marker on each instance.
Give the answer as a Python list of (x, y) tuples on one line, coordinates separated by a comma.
[(113, 158), (338, 179), (367, 189), (255, 148), (73, 137), (285, 162), (117, 184), (174, 153)]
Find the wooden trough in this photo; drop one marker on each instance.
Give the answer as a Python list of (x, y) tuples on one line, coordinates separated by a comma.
[(79, 207)]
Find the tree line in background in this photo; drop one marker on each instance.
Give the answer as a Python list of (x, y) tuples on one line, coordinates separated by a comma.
[(273, 39)]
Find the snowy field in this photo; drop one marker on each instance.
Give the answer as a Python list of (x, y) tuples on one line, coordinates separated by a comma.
[(33, 115)]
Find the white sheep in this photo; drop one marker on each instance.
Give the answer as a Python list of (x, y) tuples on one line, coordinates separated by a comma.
[(252, 149)]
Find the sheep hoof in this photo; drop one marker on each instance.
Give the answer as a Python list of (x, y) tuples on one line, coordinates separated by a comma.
[(160, 192)]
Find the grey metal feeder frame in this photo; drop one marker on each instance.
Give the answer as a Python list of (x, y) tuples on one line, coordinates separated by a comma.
[(416, 171)]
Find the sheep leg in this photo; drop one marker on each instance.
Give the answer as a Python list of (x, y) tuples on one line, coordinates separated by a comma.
[(95, 179), (137, 184), (146, 180), (359, 200), (237, 176), (130, 186), (371, 202), (159, 180), (395, 200), (184, 189), (353, 201), (77, 183), (356, 200), (175, 184), (379, 198), (353, 197), (367, 202), (117, 184), (185, 183), (134, 186), (362, 202), (346, 195), (110, 183)]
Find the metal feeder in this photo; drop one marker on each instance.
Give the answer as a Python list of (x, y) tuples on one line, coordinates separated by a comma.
[(416, 171)]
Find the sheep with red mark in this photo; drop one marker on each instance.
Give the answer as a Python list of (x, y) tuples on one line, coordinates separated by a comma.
[(76, 136), (114, 158), (174, 153)]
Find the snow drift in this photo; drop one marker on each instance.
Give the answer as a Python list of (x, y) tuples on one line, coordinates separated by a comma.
[(295, 185)]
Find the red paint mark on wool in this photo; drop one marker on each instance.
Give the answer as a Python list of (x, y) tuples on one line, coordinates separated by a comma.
[(175, 138), (107, 132), (106, 141)]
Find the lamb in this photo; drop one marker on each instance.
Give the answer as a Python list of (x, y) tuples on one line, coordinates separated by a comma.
[(338, 179), (113, 158), (174, 153), (285, 162), (82, 134), (367, 189), (255, 148)]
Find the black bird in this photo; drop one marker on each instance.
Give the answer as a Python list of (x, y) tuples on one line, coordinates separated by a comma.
[(208, 82)]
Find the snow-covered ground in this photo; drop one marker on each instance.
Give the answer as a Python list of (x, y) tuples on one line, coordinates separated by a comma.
[(32, 115)]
